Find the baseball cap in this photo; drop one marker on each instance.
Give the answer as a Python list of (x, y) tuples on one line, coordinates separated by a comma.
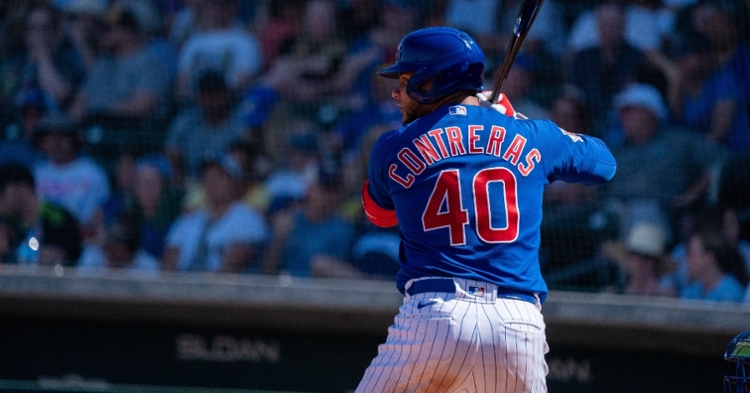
[(646, 238), (224, 161), (644, 96)]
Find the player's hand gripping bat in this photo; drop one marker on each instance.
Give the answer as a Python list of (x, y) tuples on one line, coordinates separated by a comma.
[(526, 15)]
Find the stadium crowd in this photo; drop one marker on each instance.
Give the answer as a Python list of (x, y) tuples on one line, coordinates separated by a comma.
[(232, 135)]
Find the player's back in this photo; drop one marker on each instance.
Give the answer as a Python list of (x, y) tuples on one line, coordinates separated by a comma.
[(467, 185)]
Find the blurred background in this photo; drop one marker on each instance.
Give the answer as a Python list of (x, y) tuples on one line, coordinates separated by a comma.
[(174, 149)]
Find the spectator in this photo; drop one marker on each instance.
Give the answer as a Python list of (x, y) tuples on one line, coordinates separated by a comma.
[(311, 239), (661, 170), (569, 111), (211, 126), (377, 109), (547, 34), (308, 73), (47, 63), (292, 177), (120, 250), (38, 232), (226, 236), (254, 192), (17, 147), (123, 186), (127, 89), (283, 20), (706, 101), (726, 26), (641, 27), (519, 86), (65, 176), (320, 64), (155, 203), (644, 261), (223, 45), (52, 65), (86, 18), (715, 269), (716, 219), (602, 70)]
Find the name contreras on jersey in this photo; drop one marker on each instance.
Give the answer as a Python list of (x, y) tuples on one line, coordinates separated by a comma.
[(439, 144)]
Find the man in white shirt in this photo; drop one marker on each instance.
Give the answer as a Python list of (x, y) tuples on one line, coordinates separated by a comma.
[(225, 236)]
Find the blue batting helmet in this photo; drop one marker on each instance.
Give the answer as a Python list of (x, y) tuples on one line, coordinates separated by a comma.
[(450, 57), (738, 351)]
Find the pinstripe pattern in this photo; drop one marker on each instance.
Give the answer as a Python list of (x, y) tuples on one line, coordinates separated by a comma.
[(461, 343)]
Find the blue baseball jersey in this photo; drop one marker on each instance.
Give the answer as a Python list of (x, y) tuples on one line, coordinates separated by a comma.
[(466, 183)]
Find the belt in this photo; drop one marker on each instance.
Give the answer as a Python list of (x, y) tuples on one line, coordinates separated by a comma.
[(449, 286)]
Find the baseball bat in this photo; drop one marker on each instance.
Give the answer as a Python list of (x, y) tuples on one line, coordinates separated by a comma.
[(526, 15)]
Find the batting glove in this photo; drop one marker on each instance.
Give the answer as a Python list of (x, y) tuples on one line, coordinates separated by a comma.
[(502, 105)]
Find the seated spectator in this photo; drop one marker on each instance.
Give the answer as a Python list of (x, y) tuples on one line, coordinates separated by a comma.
[(644, 261), (222, 45), (574, 214), (65, 176), (155, 203), (127, 90), (602, 70), (292, 177), (46, 63), (282, 24), (86, 19), (318, 68), (642, 28), (123, 185), (662, 171), (377, 109), (726, 26), (715, 269), (716, 219), (310, 239), (17, 147), (254, 192), (519, 86), (37, 232), (226, 235), (52, 65), (211, 126), (569, 111), (704, 100), (547, 34), (120, 250)]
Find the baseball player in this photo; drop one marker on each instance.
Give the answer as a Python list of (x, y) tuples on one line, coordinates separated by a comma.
[(463, 178)]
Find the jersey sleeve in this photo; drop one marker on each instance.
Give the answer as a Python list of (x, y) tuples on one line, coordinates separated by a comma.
[(376, 199), (577, 158)]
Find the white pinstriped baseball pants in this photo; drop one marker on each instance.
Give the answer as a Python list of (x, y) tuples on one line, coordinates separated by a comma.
[(457, 342)]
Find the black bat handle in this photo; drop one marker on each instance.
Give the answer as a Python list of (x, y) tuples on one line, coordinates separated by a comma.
[(526, 15)]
